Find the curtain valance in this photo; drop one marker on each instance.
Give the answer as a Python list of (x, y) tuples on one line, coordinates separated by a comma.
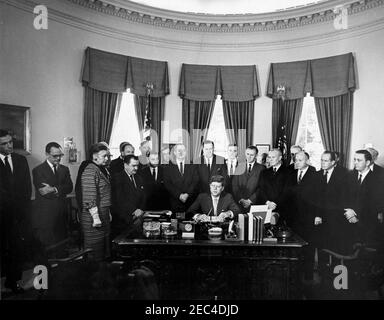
[(111, 72)]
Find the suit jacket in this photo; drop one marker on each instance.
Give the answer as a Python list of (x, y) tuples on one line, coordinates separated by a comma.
[(21, 188), (245, 185), (218, 167), (366, 200), (176, 184), (330, 205), (271, 186), (116, 166), (203, 204), (299, 202), (126, 200), (229, 178), (157, 197), (49, 210)]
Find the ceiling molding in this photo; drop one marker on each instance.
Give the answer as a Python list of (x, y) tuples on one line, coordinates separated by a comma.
[(278, 20), (235, 44)]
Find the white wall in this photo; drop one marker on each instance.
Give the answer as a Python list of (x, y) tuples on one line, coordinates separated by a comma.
[(41, 69)]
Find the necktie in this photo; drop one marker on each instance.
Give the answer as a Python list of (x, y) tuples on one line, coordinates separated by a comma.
[(300, 176), (215, 202), (209, 165), (249, 168), (7, 166), (274, 170), (325, 176), (231, 172), (181, 168), (154, 173), (133, 181), (54, 169), (360, 176)]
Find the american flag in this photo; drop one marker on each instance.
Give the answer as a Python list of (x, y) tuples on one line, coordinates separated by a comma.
[(282, 141), (147, 118)]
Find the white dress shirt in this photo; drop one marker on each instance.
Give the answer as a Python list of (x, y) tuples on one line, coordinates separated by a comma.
[(303, 174), (2, 157)]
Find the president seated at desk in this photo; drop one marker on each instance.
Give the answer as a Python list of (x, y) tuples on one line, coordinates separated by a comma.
[(216, 204)]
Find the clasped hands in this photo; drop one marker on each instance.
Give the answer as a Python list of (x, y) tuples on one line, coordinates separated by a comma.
[(205, 218), (351, 215), (46, 189)]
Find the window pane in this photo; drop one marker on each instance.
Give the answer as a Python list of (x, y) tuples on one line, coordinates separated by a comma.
[(126, 127), (308, 136), (216, 131)]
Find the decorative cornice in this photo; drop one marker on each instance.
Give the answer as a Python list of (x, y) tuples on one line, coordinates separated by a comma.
[(279, 20), (244, 45)]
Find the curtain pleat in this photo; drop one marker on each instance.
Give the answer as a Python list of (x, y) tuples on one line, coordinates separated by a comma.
[(196, 117), (99, 114), (238, 119), (335, 121)]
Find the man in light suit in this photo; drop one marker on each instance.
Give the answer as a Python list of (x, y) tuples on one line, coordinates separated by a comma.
[(208, 165), (215, 203), (15, 196), (129, 200), (52, 183), (245, 182), (180, 180)]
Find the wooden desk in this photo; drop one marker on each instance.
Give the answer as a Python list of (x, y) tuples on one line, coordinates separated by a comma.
[(199, 269)]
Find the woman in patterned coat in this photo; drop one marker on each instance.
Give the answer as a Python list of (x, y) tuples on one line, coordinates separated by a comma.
[(96, 202)]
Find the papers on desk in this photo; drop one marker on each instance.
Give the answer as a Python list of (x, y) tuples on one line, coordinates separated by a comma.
[(157, 214), (262, 211)]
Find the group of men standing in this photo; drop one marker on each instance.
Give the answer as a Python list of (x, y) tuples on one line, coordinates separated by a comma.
[(331, 208)]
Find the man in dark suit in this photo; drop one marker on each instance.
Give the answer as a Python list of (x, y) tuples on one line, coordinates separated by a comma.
[(294, 150), (15, 196), (156, 195), (272, 182), (208, 165), (180, 180), (299, 197), (245, 182), (216, 203), (364, 201), (331, 182), (52, 183), (129, 200), (117, 165), (231, 164)]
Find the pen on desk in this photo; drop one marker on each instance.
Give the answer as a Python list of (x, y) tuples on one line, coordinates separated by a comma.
[(209, 214)]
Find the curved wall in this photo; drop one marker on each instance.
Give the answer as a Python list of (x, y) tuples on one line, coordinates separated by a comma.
[(41, 68)]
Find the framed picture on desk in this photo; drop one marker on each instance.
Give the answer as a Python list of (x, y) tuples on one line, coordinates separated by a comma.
[(17, 120)]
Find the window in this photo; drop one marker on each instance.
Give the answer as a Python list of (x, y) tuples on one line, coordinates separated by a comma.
[(308, 136), (126, 127), (216, 130)]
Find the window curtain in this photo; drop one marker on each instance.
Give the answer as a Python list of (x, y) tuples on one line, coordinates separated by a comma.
[(99, 115), (156, 114), (335, 121), (105, 76), (239, 118), (331, 81), (196, 118), (285, 123)]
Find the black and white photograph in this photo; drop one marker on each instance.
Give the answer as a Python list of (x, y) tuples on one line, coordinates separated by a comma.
[(212, 151)]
